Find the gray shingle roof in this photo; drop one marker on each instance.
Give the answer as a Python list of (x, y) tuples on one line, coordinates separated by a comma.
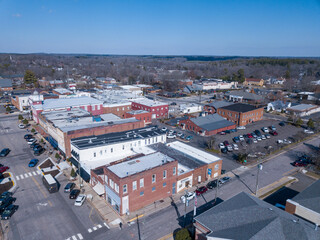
[(211, 122), (5, 83), (310, 197), (219, 104), (245, 95), (246, 217), (240, 107)]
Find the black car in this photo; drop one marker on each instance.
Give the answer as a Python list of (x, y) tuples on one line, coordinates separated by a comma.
[(4, 152), (258, 133), (69, 187), (224, 150), (27, 136), (32, 145), (7, 203), (9, 211), (282, 124), (212, 184), (4, 196), (37, 147), (74, 193), (39, 151)]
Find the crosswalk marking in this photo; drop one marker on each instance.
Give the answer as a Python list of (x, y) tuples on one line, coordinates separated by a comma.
[(89, 230), (74, 237), (106, 225), (99, 226), (34, 173), (39, 172), (26, 175), (17, 177), (21, 176), (30, 174), (80, 236)]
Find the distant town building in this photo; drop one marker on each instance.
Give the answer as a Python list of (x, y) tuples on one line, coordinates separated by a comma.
[(253, 82), (6, 84), (215, 105), (25, 101), (244, 96), (190, 108), (158, 109), (278, 106), (302, 110)]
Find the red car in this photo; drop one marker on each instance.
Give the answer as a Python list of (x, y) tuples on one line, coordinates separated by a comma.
[(3, 169), (249, 135), (274, 133), (201, 190), (299, 164)]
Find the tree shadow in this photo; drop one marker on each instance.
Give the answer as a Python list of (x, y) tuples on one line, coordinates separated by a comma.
[(173, 204)]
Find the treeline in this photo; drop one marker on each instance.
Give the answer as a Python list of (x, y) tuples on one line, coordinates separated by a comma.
[(281, 62)]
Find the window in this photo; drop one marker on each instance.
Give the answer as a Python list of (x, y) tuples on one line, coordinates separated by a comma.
[(142, 182), (153, 189), (100, 152), (111, 183), (141, 193), (94, 154), (105, 151), (93, 108), (134, 185), (174, 171), (122, 146), (153, 178), (164, 184), (164, 173), (118, 109), (111, 149), (98, 107), (125, 190), (123, 108), (116, 187)]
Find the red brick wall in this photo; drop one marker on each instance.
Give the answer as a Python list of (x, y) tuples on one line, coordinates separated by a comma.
[(15, 102), (6, 89), (120, 111), (146, 117), (135, 200), (241, 119), (160, 111), (209, 109), (98, 131)]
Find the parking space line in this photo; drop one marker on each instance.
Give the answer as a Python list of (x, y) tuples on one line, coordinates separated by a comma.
[(89, 230), (74, 237), (21, 176), (30, 174), (99, 226), (106, 225), (80, 236), (34, 173), (25, 175), (95, 228), (17, 177)]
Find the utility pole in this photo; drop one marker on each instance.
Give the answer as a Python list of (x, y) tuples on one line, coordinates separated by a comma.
[(257, 183), (185, 207)]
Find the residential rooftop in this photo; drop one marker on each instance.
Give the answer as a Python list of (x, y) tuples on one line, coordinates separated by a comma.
[(112, 138), (139, 164), (302, 107), (310, 197), (240, 107), (149, 102), (219, 104), (245, 95), (4, 83), (244, 217), (62, 91), (211, 122)]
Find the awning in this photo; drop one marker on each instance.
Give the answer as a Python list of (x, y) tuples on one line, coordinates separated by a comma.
[(99, 189), (83, 173)]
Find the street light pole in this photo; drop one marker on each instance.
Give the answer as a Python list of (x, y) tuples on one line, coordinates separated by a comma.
[(257, 183)]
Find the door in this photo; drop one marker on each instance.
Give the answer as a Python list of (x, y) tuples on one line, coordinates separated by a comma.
[(125, 205), (173, 188)]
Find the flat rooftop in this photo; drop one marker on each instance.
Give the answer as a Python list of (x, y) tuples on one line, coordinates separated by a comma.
[(67, 102), (240, 107), (139, 164), (62, 90), (112, 138), (302, 107), (135, 112), (186, 155), (149, 102)]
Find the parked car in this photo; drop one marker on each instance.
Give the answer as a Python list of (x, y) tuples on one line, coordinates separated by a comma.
[(182, 136), (39, 151), (259, 138), (9, 211), (21, 126), (170, 136), (273, 128), (31, 140), (164, 129), (227, 131), (263, 137), (179, 134), (80, 200), (282, 124), (4, 196), (279, 141), (34, 145), (188, 196), (265, 129), (254, 135), (249, 140), (224, 150), (241, 138), (7, 203), (170, 132), (189, 138), (299, 164), (254, 140), (224, 180), (69, 187), (241, 128), (249, 135), (222, 133), (286, 141), (74, 193), (37, 147), (27, 136), (33, 162), (212, 184), (3, 169), (257, 132), (229, 148), (268, 136), (4, 152), (201, 190), (236, 139), (233, 130), (221, 145), (274, 133), (308, 131), (235, 147), (226, 143)]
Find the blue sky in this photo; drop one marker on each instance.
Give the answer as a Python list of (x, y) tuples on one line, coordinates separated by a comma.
[(175, 27)]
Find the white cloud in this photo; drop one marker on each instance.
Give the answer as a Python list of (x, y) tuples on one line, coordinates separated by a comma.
[(17, 15)]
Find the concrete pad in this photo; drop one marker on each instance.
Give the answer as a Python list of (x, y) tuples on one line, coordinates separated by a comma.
[(116, 221)]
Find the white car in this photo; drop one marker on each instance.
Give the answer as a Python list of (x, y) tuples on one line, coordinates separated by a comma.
[(221, 145), (235, 147), (80, 200), (164, 129), (21, 126), (263, 137), (171, 131), (241, 128), (308, 131), (189, 196), (241, 138), (179, 134), (31, 140), (259, 138), (170, 136), (280, 141), (265, 129), (254, 140), (230, 149), (286, 141)]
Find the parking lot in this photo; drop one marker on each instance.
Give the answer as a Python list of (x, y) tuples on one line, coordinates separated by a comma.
[(41, 214)]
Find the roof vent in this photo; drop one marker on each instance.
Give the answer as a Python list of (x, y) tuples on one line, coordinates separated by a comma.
[(270, 209), (295, 221)]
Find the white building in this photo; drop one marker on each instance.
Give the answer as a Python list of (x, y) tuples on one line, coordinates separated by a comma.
[(23, 102), (302, 110), (214, 85), (190, 108)]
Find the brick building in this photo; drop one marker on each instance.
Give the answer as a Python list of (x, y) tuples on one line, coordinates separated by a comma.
[(213, 106), (253, 82), (6, 85), (118, 109), (140, 115), (241, 114), (64, 125), (158, 109), (207, 125)]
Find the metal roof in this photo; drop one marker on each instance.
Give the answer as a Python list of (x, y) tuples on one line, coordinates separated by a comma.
[(211, 122), (302, 107), (148, 102), (139, 164), (68, 102), (245, 95), (5, 83), (219, 104), (245, 217)]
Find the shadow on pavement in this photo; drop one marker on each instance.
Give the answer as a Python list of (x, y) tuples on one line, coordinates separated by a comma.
[(238, 177), (281, 196)]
